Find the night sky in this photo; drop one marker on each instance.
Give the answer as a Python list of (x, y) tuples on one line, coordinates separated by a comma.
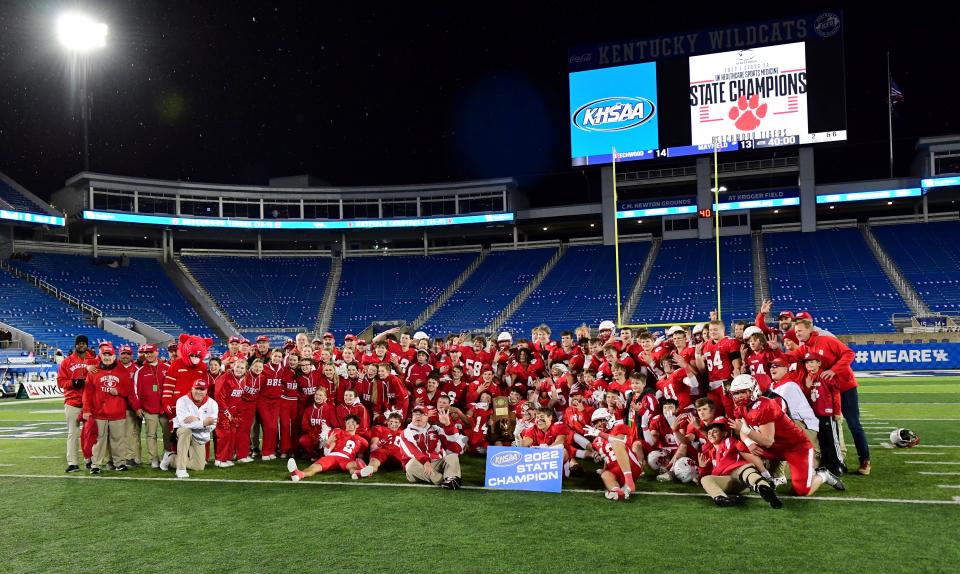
[(242, 91)]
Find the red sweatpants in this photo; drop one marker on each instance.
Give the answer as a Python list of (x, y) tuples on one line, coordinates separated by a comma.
[(269, 412), (289, 427), (226, 440), (88, 438), (246, 412)]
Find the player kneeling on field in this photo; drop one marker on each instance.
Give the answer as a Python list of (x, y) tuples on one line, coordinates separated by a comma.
[(384, 445), (196, 417), (344, 447), (620, 464), (733, 468)]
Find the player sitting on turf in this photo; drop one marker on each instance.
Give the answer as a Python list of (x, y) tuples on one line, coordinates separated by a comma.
[(384, 445), (344, 447), (732, 469), (610, 445), (433, 451), (546, 434)]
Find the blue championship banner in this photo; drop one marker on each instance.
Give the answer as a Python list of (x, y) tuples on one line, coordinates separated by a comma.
[(906, 357), (519, 468)]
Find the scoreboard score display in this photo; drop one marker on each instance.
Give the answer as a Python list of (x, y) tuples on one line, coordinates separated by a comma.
[(768, 84)]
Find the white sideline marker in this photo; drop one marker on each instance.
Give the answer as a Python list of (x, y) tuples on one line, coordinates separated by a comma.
[(929, 462), (948, 486), (287, 484), (939, 473), (917, 453), (45, 457)]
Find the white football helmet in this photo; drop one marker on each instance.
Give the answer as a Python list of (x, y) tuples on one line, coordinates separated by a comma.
[(674, 329), (606, 326), (504, 336), (698, 328), (602, 414), (658, 460), (685, 470), (745, 383), (420, 335), (904, 438)]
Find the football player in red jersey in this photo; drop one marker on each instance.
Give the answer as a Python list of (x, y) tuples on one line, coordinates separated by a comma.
[(316, 424), (720, 357), (478, 414), (620, 465), (733, 468), (665, 447), (343, 450), (351, 405), (824, 397), (576, 417), (455, 388), (647, 358), (416, 374), (426, 396), (567, 353), (770, 434), (626, 344), (546, 433), (384, 446)]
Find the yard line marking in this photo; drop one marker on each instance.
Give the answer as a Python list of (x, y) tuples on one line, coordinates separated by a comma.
[(288, 484), (6, 465), (920, 453), (44, 457), (900, 420), (941, 446), (939, 473), (32, 401), (929, 462), (948, 486), (906, 404), (48, 412)]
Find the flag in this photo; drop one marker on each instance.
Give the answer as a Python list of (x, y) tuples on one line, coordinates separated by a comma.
[(896, 96)]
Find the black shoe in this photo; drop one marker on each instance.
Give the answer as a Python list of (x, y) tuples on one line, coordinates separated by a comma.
[(73, 468), (576, 470), (122, 468), (724, 501), (767, 493), (839, 485), (458, 480), (95, 470), (132, 464), (88, 464), (449, 484)]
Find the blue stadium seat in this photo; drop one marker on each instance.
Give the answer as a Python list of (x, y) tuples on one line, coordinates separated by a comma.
[(833, 275), (48, 319), (581, 288), (269, 293), (928, 254), (396, 287), (501, 276), (17, 200), (141, 290), (682, 287)]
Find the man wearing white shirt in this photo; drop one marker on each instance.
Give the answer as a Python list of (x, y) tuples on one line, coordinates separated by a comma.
[(196, 418), (785, 384)]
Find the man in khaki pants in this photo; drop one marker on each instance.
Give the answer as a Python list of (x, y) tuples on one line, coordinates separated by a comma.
[(105, 398), (196, 418), (71, 377), (147, 402), (434, 450)]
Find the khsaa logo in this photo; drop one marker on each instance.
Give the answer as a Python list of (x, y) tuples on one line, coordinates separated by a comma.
[(506, 458), (827, 24), (614, 114)]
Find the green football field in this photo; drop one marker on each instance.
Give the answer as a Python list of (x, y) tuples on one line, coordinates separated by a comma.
[(251, 518)]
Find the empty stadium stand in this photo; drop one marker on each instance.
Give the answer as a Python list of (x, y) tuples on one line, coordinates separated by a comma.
[(268, 294), (12, 197), (581, 288), (682, 286), (396, 287), (928, 255), (501, 276), (833, 275), (140, 290), (48, 319)]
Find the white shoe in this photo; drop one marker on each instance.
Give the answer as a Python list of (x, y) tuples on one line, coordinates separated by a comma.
[(269, 457), (665, 477), (245, 459), (182, 473), (355, 476), (165, 462), (229, 463), (154, 464), (366, 471), (218, 464), (779, 481), (291, 464)]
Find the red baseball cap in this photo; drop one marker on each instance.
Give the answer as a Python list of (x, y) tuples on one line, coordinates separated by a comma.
[(419, 409), (172, 347), (785, 314), (289, 345), (148, 348), (200, 384), (778, 362), (126, 349), (792, 336), (244, 340), (811, 356), (349, 337), (107, 347), (328, 335), (263, 339), (361, 341), (804, 315), (233, 340)]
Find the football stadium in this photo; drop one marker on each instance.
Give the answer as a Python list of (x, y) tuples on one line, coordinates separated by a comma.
[(293, 287)]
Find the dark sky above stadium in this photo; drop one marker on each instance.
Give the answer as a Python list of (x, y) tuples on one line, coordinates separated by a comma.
[(242, 91)]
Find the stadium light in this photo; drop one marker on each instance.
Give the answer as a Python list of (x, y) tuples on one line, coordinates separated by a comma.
[(81, 33)]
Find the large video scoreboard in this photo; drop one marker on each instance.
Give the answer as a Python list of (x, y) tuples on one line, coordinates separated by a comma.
[(768, 84)]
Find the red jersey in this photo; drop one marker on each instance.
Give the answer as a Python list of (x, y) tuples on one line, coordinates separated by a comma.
[(306, 388), (640, 416), (347, 445), (272, 386), (649, 361), (416, 375), (787, 435), (290, 390), (718, 357), (478, 420), (726, 457), (405, 359), (675, 387), (603, 447), (424, 398), (315, 417), (576, 419), (74, 368), (474, 361), (357, 408), (478, 386), (573, 359), (759, 364), (97, 397), (834, 356), (457, 393), (525, 375), (229, 391), (251, 387), (824, 396), (391, 395), (541, 438), (667, 439), (389, 440)]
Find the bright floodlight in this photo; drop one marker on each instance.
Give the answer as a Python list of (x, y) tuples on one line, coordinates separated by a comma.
[(80, 33)]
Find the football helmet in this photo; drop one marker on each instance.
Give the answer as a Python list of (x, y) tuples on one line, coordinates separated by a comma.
[(904, 438), (685, 470), (744, 383)]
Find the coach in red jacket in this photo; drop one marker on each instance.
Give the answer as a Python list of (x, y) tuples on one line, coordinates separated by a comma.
[(147, 402), (835, 360), (105, 396), (71, 377)]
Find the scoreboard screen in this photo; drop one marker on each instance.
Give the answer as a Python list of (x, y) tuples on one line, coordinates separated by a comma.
[(700, 96)]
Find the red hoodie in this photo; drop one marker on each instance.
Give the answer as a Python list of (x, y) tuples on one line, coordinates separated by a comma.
[(97, 398), (229, 393), (147, 386), (72, 368), (272, 386)]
